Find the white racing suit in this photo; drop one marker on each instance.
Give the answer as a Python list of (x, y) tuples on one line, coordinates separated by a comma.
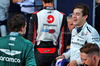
[(88, 34), (47, 30)]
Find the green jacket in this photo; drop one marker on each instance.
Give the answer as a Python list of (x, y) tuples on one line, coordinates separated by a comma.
[(16, 51)]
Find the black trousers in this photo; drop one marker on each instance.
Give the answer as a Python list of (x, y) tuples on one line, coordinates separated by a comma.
[(45, 59)]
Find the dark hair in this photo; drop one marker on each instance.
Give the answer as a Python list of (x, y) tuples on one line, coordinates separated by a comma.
[(85, 8), (16, 22), (48, 1), (90, 48)]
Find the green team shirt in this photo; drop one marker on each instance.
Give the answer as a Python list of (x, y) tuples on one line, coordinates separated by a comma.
[(16, 51)]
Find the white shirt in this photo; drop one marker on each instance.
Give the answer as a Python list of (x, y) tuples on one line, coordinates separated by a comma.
[(87, 34), (29, 10)]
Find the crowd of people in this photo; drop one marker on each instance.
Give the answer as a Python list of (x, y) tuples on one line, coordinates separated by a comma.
[(38, 38)]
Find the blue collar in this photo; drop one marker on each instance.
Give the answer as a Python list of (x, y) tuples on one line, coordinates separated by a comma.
[(79, 29)]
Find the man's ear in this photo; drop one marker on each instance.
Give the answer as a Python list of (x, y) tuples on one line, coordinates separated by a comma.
[(86, 16), (94, 57), (21, 28)]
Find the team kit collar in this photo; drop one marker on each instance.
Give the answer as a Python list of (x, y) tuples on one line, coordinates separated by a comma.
[(49, 7), (15, 34), (82, 29), (82, 26)]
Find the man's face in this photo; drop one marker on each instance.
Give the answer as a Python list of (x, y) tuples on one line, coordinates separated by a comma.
[(70, 24), (87, 60), (78, 19)]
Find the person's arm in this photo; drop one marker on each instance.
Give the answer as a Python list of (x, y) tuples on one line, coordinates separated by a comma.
[(93, 37), (63, 37), (72, 63), (65, 55), (97, 1), (32, 28), (65, 32), (78, 61), (29, 57), (75, 62), (15, 1), (32, 1)]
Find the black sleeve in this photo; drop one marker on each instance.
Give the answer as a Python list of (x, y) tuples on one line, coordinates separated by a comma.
[(63, 35), (32, 27), (65, 32)]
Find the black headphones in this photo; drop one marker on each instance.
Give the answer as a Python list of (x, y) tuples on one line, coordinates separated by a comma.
[(94, 58)]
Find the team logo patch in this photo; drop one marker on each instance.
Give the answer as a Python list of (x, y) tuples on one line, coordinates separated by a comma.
[(50, 19), (51, 31), (12, 52)]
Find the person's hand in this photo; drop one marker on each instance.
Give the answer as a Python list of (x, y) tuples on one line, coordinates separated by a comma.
[(73, 63), (20, 1), (60, 57)]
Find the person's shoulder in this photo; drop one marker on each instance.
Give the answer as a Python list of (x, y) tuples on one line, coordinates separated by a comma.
[(3, 38), (35, 12), (62, 13), (74, 29), (91, 28), (25, 41)]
